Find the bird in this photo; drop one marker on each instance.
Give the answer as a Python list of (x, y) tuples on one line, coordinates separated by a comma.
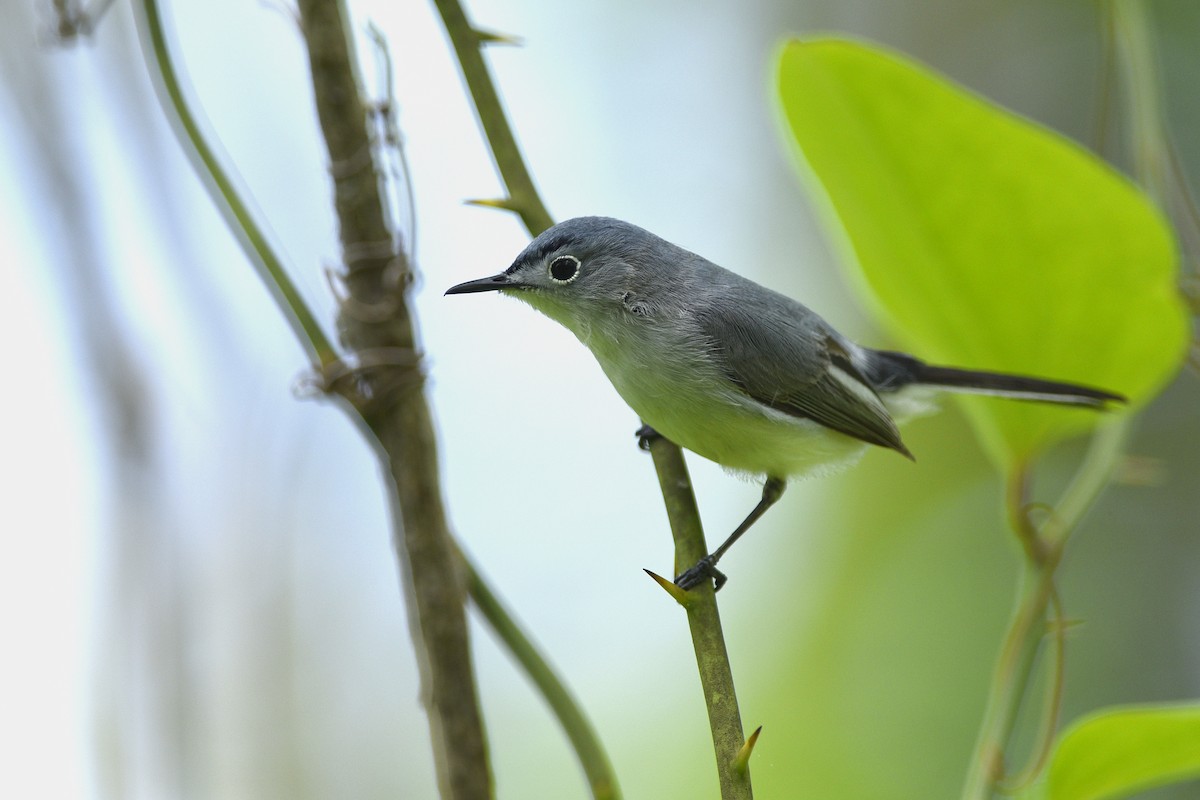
[(733, 371)]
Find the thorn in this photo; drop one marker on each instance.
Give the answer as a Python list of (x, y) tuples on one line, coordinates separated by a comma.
[(504, 204), (741, 762), (681, 595), (1065, 625), (494, 37)]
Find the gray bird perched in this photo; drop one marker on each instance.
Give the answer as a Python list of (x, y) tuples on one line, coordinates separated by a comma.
[(728, 369)]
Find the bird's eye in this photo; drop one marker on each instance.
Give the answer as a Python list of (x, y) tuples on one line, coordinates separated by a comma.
[(564, 269)]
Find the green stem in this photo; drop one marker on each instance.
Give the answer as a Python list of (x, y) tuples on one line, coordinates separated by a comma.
[(524, 200), (1051, 706), (704, 620), (227, 197), (592, 758), (1009, 679), (1027, 626), (1155, 157), (523, 196), (1148, 137)]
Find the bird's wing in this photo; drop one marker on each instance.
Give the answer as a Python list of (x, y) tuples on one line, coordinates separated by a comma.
[(797, 368)]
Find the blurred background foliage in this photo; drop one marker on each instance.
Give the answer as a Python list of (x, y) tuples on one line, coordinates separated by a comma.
[(197, 583)]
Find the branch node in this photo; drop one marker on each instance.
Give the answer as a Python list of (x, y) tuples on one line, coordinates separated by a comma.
[(350, 166), (370, 313)]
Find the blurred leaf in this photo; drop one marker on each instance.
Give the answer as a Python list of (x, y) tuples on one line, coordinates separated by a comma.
[(876, 687), (983, 240), (1116, 752)]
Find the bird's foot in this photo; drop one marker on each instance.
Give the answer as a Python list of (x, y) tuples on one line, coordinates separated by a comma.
[(645, 435), (703, 570)]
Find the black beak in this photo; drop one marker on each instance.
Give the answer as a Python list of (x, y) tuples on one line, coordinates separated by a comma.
[(501, 281)]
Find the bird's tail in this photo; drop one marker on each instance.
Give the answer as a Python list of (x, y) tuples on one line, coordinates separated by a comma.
[(891, 371)]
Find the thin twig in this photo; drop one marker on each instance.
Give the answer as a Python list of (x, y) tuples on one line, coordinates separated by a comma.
[(527, 203), (1108, 80), (704, 620), (1136, 57), (596, 766), (1051, 705), (523, 199), (221, 185), (1027, 626)]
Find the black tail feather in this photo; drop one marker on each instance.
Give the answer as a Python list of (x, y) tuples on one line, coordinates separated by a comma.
[(890, 371)]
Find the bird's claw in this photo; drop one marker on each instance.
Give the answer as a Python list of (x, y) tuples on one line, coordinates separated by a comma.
[(645, 435), (703, 570)]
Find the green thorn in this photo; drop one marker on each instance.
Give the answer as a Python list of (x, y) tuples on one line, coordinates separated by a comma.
[(503, 203), (1066, 625), (741, 762), (681, 595), (492, 37)]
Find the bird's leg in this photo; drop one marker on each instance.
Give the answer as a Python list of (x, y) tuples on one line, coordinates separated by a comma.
[(706, 568), (645, 435)]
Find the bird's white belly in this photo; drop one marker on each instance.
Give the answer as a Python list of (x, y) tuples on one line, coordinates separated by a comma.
[(691, 404)]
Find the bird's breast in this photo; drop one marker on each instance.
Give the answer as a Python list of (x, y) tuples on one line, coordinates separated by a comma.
[(674, 384)]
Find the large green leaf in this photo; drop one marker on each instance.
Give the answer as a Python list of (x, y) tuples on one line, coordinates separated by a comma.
[(1117, 752), (984, 240)]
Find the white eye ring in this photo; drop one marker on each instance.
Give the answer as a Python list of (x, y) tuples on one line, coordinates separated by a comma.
[(564, 269)]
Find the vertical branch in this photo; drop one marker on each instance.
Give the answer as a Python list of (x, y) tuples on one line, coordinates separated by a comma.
[(1155, 160), (704, 620), (376, 324), (1010, 678), (523, 198), (1148, 136), (707, 638)]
